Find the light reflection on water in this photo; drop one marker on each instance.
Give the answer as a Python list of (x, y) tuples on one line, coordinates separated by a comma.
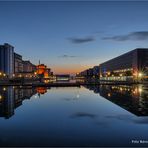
[(103, 115)]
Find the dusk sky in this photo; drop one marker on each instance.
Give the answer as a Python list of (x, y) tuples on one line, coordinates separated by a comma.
[(72, 36)]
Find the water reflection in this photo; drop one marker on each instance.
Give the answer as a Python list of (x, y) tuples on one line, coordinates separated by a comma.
[(73, 116), (12, 97), (132, 98)]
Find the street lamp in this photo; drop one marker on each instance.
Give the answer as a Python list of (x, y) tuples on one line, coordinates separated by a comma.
[(4, 89), (140, 89), (121, 75), (0, 97), (140, 74)]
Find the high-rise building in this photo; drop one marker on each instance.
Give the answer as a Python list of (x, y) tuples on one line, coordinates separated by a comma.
[(7, 60)]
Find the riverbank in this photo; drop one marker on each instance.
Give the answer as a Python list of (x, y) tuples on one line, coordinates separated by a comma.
[(42, 84), (36, 82), (69, 84)]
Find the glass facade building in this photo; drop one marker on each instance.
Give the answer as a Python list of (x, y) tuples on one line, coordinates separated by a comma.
[(7, 60), (131, 66)]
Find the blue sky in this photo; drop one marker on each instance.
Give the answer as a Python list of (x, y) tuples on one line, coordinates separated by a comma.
[(72, 36)]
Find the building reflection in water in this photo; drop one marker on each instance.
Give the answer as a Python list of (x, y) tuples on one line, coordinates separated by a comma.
[(12, 97), (6, 102), (132, 98), (41, 90)]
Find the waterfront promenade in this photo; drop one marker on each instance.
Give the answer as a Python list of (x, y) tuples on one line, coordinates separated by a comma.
[(68, 84)]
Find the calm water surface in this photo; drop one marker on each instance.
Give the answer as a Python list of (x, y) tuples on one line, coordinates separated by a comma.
[(73, 116)]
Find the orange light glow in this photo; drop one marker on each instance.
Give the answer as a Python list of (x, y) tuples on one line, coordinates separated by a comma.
[(41, 90), (43, 70), (69, 69)]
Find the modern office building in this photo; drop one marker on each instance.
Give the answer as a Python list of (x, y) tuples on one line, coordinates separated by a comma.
[(86, 73), (27, 66), (18, 64), (28, 69), (7, 60), (96, 71), (131, 66), (89, 75), (23, 68), (91, 72)]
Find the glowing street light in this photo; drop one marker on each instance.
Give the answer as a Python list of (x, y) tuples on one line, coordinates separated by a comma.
[(109, 95), (140, 90), (140, 74), (4, 89), (121, 75), (1, 97)]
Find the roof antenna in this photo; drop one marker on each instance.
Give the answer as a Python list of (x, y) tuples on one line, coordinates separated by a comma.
[(39, 62)]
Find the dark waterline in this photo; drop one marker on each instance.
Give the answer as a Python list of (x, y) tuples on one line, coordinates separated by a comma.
[(102, 115)]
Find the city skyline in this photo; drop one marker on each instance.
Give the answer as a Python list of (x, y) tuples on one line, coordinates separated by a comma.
[(72, 36)]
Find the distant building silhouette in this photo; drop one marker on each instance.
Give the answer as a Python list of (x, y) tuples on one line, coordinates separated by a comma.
[(64, 77)]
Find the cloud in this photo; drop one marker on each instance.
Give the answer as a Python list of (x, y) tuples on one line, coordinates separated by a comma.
[(83, 114), (135, 36), (70, 99), (67, 56), (103, 124), (131, 119), (81, 40), (143, 120), (119, 117)]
